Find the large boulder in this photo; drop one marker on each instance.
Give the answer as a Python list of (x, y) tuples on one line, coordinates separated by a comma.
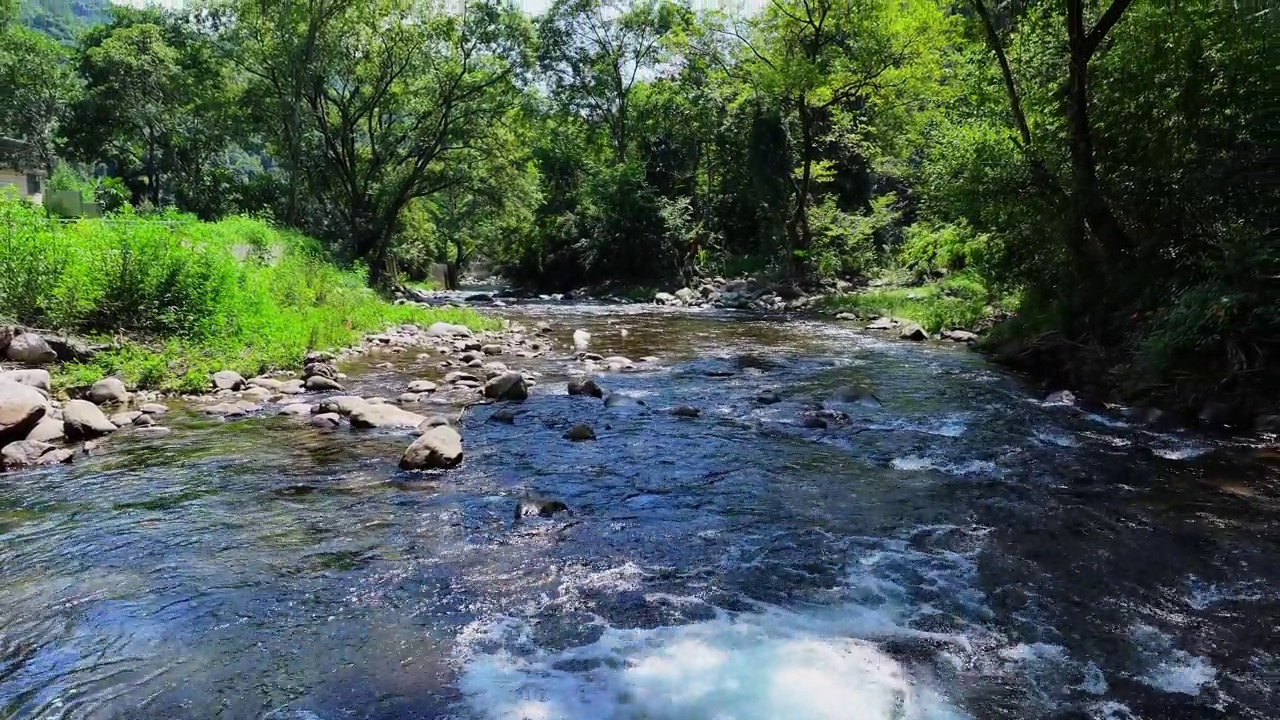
[(83, 420), (48, 430), (227, 380), (38, 379), (579, 432), (438, 447), (21, 407), (28, 453), (507, 386), (444, 329), (31, 349), (108, 390), (381, 415), (341, 404)]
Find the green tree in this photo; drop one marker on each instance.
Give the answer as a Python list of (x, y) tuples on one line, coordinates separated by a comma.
[(39, 88), (386, 93)]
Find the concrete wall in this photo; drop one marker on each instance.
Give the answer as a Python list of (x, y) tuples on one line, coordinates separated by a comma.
[(18, 180)]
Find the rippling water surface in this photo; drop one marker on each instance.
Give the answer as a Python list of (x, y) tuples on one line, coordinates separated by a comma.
[(958, 552)]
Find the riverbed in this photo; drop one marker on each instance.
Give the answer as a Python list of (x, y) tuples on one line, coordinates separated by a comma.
[(961, 550)]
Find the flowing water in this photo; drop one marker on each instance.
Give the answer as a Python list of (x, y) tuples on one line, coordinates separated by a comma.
[(961, 551)]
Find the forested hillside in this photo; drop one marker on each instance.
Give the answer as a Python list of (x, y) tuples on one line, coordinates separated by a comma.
[(1108, 163)]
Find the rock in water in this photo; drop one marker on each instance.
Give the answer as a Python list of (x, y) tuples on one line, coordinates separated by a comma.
[(381, 415), (154, 408), (31, 349), (1062, 397), (913, 331), (768, 397), (127, 417), (438, 447), (537, 506), (581, 431), (341, 404), (507, 386), (422, 386), (326, 421), (320, 383), (614, 400), (856, 394), (228, 380), (28, 453), (687, 411), (504, 415), (492, 349), (38, 379), (21, 407), (83, 420), (266, 383), (881, 323), (297, 409), (961, 336), (814, 422), (581, 340), (585, 386), (323, 369)]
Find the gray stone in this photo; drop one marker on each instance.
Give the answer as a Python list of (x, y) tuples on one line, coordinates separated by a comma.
[(1061, 397), (581, 431), (458, 376), (913, 331), (664, 298), (408, 398), (384, 416), (293, 387), (340, 404), (143, 420), (29, 453), (154, 408), (327, 421), (768, 397), (491, 349), (437, 447), (128, 417), (444, 329), (271, 384), (31, 349), (227, 380), (108, 390), (322, 369), (298, 409), (687, 411), (960, 336), (422, 386), (38, 379), (320, 383), (256, 394), (616, 400), (508, 386), (438, 420), (882, 323), (48, 430), (83, 420), (585, 386)]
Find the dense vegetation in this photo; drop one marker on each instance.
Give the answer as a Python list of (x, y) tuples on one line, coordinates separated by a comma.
[(1105, 162), (192, 297)]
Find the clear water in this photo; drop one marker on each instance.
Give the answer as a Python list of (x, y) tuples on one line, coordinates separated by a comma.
[(959, 552)]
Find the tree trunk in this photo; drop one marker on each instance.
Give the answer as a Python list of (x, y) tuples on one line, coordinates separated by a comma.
[(799, 234)]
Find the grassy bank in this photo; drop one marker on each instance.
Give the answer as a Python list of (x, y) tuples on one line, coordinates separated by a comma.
[(955, 302), (178, 299)]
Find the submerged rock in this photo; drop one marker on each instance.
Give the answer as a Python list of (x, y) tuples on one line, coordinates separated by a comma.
[(437, 447), (960, 336), (155, 431), (813, 422), (506, 415), (537, 506), (615, 400), (83, 420), (687, 411), (581, 431), (768, 397), (857, 395)]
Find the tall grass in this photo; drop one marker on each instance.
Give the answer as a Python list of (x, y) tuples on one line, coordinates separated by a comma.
[(190, 297), (956, 302)]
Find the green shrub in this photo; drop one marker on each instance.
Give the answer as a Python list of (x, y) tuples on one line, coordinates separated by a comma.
[(193, 297)]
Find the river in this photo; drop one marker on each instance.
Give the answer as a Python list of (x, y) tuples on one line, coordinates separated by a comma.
[(961, 551)]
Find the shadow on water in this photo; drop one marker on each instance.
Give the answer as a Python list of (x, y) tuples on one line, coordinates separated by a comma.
[(958, 551)]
